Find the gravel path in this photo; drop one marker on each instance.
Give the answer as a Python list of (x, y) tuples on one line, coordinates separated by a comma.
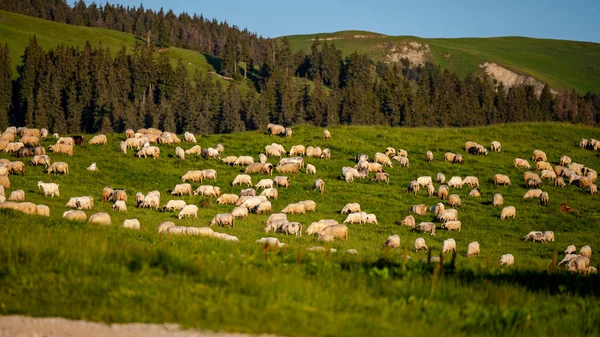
[(22, 326)]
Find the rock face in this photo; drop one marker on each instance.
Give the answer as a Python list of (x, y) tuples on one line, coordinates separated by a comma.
[(510, 78), (416, 52)]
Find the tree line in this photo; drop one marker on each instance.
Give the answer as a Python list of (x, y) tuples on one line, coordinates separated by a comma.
[(93, 89)]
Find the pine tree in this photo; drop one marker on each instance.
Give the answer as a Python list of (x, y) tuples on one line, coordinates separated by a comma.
[(546, 103), (5, 86), (167, 118), (28, 80), (229, 117)]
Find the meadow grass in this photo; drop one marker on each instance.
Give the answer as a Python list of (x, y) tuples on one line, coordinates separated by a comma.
[(53, 267)]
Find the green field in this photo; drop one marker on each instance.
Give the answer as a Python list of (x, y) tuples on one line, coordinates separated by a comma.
[(53, 267), (16, 30), (560, 63)]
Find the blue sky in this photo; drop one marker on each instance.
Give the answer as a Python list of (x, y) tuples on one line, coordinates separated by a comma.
[(565, 19)]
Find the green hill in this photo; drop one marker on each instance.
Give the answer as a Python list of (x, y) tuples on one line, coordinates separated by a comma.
[(16, 30), (560, 63)]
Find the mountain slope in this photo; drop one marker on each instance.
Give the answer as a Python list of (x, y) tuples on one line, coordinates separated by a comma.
[(560, 63), (17, 30)]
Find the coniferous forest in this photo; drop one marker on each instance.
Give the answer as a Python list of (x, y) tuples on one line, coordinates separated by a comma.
[(90, 89)]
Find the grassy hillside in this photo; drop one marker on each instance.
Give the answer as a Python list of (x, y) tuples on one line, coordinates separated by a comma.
[(560, 63), (17, 30), (52, 267)]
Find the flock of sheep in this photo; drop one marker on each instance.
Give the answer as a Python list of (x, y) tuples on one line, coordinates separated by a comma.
[(249, 200)]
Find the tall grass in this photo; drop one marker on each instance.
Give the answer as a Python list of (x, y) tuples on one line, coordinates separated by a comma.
[(52, 267)]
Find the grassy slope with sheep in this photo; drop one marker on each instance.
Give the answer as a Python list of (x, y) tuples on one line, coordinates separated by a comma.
[(52, 267)]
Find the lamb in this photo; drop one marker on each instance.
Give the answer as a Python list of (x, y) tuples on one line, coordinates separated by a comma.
[(475, 193), (454, 200), (443, 192), (181, 189), (309, 205), (326, 154), (539, 155), (501, 179), (326, 134), (189, 137), (100, 218), (356, 218), (208, 191), (472, 181), (519, 162), (242, 179), (92, 167), (508, 212), (174, 205), (179, 153), (188, 211), (420, 244), (549, 236), (534, 236), (544, 199), (409, 221), (17, 195), (351, 208), (532, 194), (49, 189), (420, 209), (75, 215), (429, 156), (228, 199), (337, 231), (498, 200), (239, 212), (430, 190), (265, 183), (120, 206), (390, 151), (452, 225), (98, 140), (282, 181), (382, 176), (320, 185), (496, 146), (425, 227), (473, 249), (288, 132), (310, 169), (123, 147), (393, 241), (297, 208), (449, 245), (455, 182), (226, 219)]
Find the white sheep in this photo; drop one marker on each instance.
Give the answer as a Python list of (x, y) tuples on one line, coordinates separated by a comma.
[(179, 153), (570, 250), (420, 244), (455, 182), (449, 245), (473, 249), (188, 211), (131, 224), (17, 195), (351, 208), (174, 205), (507, 260), (264, 183), (508, 212), (393, 241), (320, 185), (49, 189), (100, 218), (586, 251), (242, 179), (270, 241)]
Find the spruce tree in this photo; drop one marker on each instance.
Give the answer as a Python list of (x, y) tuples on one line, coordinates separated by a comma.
[(5, 86)]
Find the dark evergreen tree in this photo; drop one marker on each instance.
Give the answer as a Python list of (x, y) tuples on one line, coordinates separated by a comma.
[(5, 86)]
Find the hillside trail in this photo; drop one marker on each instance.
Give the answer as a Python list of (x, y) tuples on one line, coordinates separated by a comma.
[(22, 326)]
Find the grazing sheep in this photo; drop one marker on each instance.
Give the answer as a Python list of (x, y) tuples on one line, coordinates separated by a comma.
[(539, 155), (228, 199), (449, 156), (264, 183), (356, 218), (429, 156), (532, 194), (542, 165), (440, 178), (15, 167), (446, 215), (275, 217), (120, 206), (383, 159), (570, 249), (409, 221), (148, 151), (371, 219), (40, 160), (291, 228), (534, 237), (382, 176), (243, 160), (92, 167), (189, 137), (475, 193), (309, 205), (472, 181), (282, 181), (443, 192), (320, 185), (49, 189), (288, 168), (196, 149), (449, 245), (424, 227), (501, 179), (229, 160), (544, 199), (531, 183), (326, 238), (424, 181), (326, 154), (420, 209), (390, 151), (452, 225), (118, 195), (413, 187), (473, 249), (270, 193), (208, 191), (98, 140), (174, 205), (454, 200), (507, 260), (458, 159), (242, 179), (393, 241), (270, 241), (351, 208), (455, 182), (224, 219), (519, 162), (310, 169), (107, 193), (549, 174), (42, 210), (430, 190), (179, 153), (259, 168), (210, 153), (239, 212), (420, 244), (549, 236), (319, 225), (560, 182), (181, 189), (100, 218), (337, 231), (131, 224), (326, 134), (209, 174), (75, 215), (586, 251), (297, 208), (17, 195), (508, 212), (375, 167), (247, 192), (593, 189), (58, 167), (496, 146), (4, 181), (188, 211)]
